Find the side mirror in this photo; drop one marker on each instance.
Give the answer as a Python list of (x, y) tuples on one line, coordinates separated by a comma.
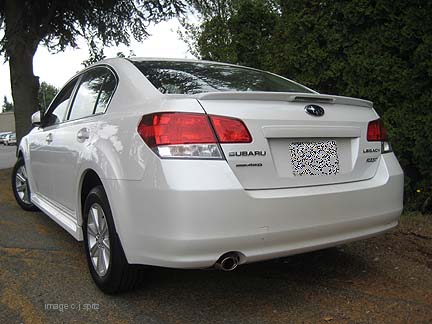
[(36, 119)]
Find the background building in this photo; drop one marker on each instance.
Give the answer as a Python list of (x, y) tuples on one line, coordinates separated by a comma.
[(7, 122)]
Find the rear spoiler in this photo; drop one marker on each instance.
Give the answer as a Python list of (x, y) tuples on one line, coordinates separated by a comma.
[(284, 96)]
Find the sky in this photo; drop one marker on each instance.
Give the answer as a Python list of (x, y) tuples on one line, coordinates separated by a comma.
[(57, 68)]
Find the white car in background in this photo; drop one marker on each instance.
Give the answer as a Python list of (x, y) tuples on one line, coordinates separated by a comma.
[(3, 137), (10, 139), (196, 164)]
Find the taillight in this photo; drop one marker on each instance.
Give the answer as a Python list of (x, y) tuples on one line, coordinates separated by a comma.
[(378, 133), (230, 130), (190, 135), (175, 128)]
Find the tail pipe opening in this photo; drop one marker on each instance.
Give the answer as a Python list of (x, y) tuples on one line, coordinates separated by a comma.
[(228, 261)]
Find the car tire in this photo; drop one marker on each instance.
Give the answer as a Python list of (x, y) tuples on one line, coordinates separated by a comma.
[(105, 257), (21, 187)]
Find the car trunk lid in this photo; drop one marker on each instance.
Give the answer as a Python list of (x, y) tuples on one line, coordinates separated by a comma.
[(292, 148)]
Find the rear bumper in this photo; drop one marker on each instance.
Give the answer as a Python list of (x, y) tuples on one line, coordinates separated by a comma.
[(198, 212)]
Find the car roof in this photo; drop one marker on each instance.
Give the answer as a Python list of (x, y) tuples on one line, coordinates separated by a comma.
[(163, 59)]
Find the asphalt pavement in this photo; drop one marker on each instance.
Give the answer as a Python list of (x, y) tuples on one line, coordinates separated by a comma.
[(44, 279)]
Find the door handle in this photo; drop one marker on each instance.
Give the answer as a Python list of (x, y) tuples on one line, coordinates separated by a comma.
[(49, 138), (83, 134)]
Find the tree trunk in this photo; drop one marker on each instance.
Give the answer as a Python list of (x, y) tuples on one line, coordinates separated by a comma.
[(25, 87), (21, 46)]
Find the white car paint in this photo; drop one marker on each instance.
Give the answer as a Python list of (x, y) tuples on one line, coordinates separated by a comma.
[(187, 213)]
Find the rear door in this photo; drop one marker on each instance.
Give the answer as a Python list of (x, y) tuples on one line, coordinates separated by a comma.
[(293, 148)]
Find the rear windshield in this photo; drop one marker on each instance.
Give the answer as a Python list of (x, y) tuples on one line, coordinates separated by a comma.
[(199, 77)]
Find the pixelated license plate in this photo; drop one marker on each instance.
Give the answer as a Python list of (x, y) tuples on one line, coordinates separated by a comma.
[(314, 158)]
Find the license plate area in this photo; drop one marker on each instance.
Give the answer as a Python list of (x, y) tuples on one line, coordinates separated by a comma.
[(314, 158)]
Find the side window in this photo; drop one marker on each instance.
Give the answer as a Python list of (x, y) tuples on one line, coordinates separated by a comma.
[(106, 93), (87, 95), (58, 109)]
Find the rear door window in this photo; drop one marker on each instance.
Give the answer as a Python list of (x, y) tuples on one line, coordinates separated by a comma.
[(87, 94), (106, 93), (95, 90)]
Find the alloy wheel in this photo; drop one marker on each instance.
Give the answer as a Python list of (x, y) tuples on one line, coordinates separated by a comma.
[(98, 242), (21, 185)]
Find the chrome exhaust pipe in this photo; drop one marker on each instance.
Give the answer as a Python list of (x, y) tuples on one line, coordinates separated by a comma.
[(228, 262)]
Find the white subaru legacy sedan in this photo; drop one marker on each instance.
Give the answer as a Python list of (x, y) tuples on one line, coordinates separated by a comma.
[(197, 164)]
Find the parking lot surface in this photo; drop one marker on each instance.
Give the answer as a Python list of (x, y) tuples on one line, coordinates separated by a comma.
[(388, 279)]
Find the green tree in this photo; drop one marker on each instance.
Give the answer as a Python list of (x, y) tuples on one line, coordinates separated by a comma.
[(58, 24), (46, 94), (237, 31), (377, 50), (211, 40), (7, 106)]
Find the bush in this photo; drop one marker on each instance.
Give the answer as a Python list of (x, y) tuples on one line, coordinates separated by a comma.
[(376, 50)]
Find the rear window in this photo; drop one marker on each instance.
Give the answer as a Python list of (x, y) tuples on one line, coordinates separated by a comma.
[(200, 77)]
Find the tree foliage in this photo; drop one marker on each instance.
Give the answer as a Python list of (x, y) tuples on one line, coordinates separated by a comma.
[(378, 50), (7, 106), (98, 55), (46, 94), (60, 23)]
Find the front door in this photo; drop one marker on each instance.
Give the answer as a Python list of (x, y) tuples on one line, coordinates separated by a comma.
[(44, 142)]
